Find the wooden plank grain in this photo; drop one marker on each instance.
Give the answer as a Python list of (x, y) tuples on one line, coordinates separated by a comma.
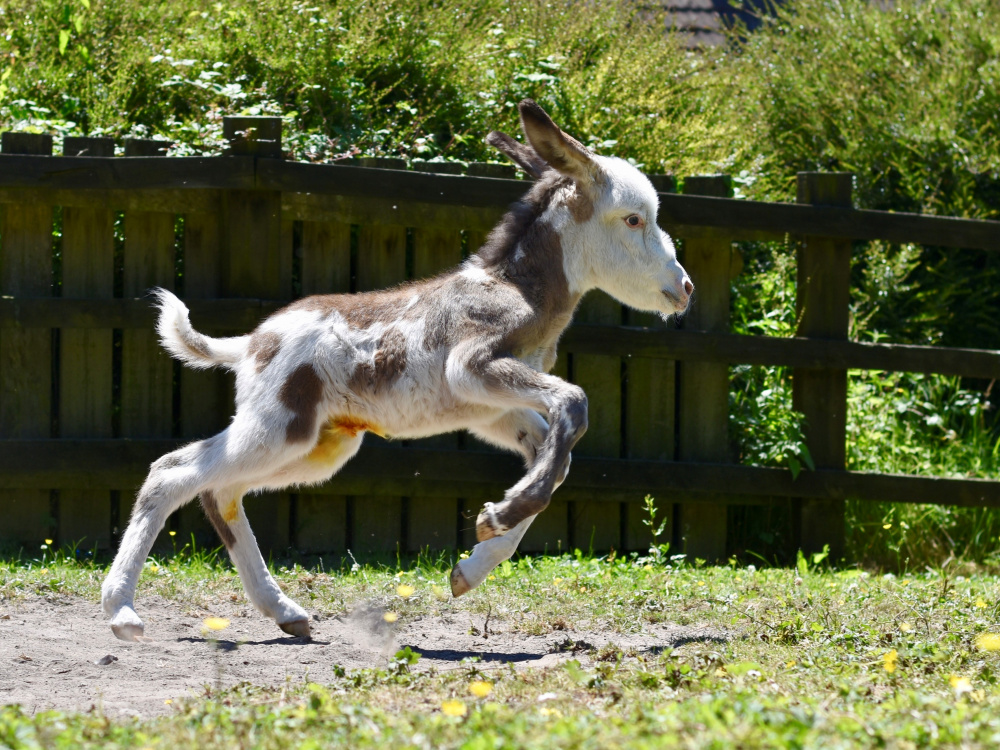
[(93, 464), (26, 355), (822, 309), (681, 215), (594, 525), (664, 345), (257, 262), (703, 401), (85, 373)]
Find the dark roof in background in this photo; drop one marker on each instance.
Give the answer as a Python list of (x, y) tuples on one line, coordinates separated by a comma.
[(706, 20)]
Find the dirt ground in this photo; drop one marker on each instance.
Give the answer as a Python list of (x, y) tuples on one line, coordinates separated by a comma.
[(61, 653)]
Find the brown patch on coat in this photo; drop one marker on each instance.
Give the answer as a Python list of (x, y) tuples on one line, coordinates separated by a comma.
[(211, 508), (264, 346), (385, 368), (301, 393)]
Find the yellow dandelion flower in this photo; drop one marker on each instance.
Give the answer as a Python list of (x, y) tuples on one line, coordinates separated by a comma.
[(405, 591), (154, 568), (887, 526), (43, 571), (168, 701), (491, 578), (980, 603), (960, 685), (48, 541), (889, 661), (480, 688), (390, 617), (453, 708), (790, 664), (215, 623), (172, 533), (550, 712), (464, 556), (439, 593), (905, 627), (988, 642), (557, 581), (648, 567)]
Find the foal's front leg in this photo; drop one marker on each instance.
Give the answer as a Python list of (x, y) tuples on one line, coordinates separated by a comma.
[(508, 382)]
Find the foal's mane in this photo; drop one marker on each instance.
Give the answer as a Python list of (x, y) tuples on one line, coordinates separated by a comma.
[(503, 239)]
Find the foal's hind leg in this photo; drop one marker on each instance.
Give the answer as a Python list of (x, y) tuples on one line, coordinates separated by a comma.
[(224, 509), (172, 482)]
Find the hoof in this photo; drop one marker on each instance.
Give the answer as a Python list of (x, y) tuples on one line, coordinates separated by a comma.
[(127, 626), (298, 628), (487, 526), (458, 583)]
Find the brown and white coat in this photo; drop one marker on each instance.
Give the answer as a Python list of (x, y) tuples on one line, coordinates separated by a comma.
[(470, 349)]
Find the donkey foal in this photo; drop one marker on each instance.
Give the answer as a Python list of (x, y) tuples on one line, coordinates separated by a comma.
[(469, 349)]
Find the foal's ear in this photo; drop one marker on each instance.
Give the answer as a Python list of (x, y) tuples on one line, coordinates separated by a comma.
[(562, 152), (524, 156)]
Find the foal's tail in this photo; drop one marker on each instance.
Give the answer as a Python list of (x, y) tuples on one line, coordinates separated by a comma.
[(189, 346)]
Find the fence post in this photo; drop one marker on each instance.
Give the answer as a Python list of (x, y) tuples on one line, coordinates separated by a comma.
[(823, 296), (25, 354), (258, 264), (378, 522), (147, 372), (85, 356), (650, 419), (704, 387)]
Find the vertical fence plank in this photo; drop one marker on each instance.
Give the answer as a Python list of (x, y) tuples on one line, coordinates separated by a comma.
[(205, 395), (378, 520), (25, 355), (823, 296), (595, 524), (650, 399), (257, 255), (326, 268), (433, 521), (85, 380), (147, 373), (704, 387)]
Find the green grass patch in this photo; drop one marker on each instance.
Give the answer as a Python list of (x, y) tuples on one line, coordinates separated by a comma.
[(802, 657)]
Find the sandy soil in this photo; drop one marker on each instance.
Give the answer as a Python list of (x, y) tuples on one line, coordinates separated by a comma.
[(61, 653)]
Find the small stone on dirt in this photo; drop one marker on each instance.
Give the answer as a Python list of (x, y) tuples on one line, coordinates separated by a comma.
[(106, 660)]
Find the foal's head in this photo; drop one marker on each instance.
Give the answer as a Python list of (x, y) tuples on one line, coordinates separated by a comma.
[(606, 218)]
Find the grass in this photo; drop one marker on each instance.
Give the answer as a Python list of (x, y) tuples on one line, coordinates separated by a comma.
[(903, 96), (813, 657)]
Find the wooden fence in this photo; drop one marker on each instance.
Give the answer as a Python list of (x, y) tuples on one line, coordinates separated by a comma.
[(88, 399)]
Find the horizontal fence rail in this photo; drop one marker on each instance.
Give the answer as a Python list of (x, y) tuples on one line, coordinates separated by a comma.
[(89, 399), (110, 182), (216, 316)]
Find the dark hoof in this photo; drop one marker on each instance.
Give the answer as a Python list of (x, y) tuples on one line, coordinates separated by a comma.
[(298, 628)]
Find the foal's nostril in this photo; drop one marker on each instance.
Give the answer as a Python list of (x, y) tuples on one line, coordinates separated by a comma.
[(688, 287)]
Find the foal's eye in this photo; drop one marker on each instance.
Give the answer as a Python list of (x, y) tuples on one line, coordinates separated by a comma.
[(635, 221)]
